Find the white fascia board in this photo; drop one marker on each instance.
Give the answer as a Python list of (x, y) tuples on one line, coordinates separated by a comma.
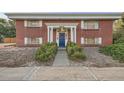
[(64, 17)]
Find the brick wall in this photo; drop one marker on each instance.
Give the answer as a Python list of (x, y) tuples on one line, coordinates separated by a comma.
[(105, 31)]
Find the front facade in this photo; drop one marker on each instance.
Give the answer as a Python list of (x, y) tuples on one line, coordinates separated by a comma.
[(85, 29)]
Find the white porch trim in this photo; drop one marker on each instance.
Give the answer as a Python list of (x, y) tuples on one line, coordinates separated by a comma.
[(75, 38), (61, 24), (57, 38), (50, 34), (72, 26), (73, 34)]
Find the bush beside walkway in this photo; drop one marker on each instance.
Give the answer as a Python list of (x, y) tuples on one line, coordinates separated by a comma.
[(75, 52), (46, 52)]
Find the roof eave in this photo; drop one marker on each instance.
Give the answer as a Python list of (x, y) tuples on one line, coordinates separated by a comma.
[(64, 15), (98, 17)]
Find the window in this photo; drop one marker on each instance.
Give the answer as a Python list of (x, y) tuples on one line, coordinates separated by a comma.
[(33, 40), (33, 23), (89, 41), (96, 41), (90, 25)]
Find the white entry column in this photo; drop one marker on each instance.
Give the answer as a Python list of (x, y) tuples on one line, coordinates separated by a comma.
[(73, 34), (50, 34)]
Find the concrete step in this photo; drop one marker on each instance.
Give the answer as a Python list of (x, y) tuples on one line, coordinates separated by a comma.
[(61, 49)]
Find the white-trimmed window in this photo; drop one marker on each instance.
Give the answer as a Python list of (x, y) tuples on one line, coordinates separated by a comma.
[(96, 41), (28, 40), (89, 41), (32, 23), (89, 25)]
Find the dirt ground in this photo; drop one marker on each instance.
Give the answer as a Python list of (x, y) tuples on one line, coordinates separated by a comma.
[(24, 57), (19, 57), (96, 59)]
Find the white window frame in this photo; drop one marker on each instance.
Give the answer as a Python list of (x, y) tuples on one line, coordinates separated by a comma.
[(26, 24), (84, 25), (82, 40), (97, 40), (28, 41), (25, 41), (100, 40)]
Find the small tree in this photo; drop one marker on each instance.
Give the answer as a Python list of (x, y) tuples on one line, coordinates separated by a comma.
[(7, 28), (118, 36)]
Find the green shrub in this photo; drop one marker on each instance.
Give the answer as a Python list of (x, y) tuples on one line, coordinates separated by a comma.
[(46, 52), (120, 40), (78, 55), (115, 50), (75, 52), (118, 37)]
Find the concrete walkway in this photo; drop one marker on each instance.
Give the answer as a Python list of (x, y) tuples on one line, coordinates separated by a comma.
[(61, 59), (61, 73)]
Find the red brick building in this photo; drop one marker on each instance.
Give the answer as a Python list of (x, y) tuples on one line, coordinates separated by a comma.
[(85, 29)]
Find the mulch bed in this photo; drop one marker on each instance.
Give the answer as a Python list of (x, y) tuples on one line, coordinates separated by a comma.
[(24, 57), (96, 59), (20, 57)]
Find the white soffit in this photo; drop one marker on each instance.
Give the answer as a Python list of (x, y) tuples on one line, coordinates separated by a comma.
[(64, 15)]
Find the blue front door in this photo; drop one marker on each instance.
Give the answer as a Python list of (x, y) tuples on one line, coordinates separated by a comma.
[(61, 39)]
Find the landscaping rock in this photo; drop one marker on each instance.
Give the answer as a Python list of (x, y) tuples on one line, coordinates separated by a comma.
[(18, 57), (96, 59)]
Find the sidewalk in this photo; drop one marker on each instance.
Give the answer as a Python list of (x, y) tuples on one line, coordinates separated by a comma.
[(62, 73), (61, 59)]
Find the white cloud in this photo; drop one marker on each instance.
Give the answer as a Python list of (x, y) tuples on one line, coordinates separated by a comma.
[(62, 5)]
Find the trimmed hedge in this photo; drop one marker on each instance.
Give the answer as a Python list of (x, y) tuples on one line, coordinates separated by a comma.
[(114, 50), (46, 52), (75, 52)]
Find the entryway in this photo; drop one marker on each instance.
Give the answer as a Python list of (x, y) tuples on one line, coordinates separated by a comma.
[(61, 33), (62, 40)]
